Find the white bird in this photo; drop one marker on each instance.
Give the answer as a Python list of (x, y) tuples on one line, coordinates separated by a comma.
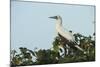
[(65, 34)]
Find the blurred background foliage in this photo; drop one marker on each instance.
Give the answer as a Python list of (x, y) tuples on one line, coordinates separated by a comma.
[(55, 55)]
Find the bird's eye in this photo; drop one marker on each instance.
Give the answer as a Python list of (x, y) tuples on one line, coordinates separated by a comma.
[(56, 17)]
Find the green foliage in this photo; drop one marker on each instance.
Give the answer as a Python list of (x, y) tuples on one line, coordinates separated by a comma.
[(24, 58), (53, 56), (46, 57), (56, 44)]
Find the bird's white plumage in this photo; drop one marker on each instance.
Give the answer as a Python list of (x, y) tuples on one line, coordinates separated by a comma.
[(66, 34)]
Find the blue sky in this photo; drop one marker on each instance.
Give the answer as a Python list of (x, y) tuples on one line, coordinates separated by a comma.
[(31, 27)]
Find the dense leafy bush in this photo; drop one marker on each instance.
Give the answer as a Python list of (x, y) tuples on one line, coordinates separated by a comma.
[(53, 56)]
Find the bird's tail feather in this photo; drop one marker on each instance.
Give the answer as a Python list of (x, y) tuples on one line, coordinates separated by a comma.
[(79, 48)]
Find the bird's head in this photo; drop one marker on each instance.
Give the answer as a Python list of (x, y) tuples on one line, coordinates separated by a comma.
[(55, 17)]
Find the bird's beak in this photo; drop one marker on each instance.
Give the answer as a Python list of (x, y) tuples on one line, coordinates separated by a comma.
[(54, 17)]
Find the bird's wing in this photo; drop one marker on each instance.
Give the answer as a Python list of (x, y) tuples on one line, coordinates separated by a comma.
[(66, 34)]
